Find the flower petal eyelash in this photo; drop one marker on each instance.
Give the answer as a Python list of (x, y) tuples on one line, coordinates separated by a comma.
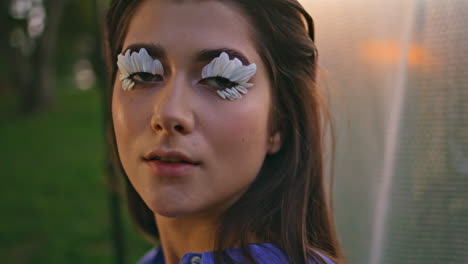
[(130, 63), (234, 71)]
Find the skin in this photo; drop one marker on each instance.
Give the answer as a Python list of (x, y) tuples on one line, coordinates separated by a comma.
[(230, 139)]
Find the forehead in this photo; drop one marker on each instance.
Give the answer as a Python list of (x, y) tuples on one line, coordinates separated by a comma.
[(185, 27)]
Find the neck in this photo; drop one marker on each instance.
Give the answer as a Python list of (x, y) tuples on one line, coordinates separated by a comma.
[(180, 235)]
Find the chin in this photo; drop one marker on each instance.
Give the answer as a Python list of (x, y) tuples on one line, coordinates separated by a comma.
[(169, 212), (170, 208)]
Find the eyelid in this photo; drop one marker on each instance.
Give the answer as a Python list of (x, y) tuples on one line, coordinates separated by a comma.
[(215, 78), (133, 62), (234, 71), (138, 78), (136, 62)]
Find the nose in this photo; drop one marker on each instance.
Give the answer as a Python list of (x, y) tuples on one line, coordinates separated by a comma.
[(172, 112)]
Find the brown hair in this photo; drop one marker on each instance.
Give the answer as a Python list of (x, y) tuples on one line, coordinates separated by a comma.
[(287, 203)]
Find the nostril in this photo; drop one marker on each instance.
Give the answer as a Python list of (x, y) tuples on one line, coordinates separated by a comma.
[(159, 127), (179, 128)]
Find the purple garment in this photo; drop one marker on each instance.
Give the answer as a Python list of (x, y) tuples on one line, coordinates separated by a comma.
[(265, 253)]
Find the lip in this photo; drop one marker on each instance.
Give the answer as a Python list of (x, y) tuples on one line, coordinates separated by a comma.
[(170, 169), (178, 155)]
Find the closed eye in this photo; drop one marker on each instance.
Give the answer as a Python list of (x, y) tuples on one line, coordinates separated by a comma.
[(218, 82), (145, 77)]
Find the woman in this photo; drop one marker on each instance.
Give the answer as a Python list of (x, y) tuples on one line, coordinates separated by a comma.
[(217, 124)]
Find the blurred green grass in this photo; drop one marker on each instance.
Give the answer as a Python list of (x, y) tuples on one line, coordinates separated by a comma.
[(53, 197)]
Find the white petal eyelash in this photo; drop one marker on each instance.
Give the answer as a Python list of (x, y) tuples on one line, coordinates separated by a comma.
[(234, 71), (133, 62)]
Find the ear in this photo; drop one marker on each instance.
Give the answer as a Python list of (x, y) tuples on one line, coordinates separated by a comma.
[(274, 143)]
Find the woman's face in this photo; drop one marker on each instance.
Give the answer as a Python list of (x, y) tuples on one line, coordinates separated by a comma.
[(180, 119)]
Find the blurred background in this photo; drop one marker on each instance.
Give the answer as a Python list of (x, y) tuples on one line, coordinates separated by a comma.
[(396, 73)]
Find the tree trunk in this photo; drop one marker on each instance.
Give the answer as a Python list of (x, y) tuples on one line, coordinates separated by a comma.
[(48, 49), (112, 175), (39, 87)]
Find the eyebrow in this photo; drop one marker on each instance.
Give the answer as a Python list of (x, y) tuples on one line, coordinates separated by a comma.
[(210, 54), (157, 51), (154, 50)]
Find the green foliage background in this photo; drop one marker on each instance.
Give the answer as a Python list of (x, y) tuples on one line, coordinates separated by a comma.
[(54, 194), (54, 197)]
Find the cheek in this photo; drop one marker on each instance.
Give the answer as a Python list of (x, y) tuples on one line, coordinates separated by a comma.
[(240, 138), (128, 119), (120, 118), (248, 130)]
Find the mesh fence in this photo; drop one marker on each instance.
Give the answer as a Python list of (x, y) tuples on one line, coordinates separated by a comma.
[(397, 72)]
